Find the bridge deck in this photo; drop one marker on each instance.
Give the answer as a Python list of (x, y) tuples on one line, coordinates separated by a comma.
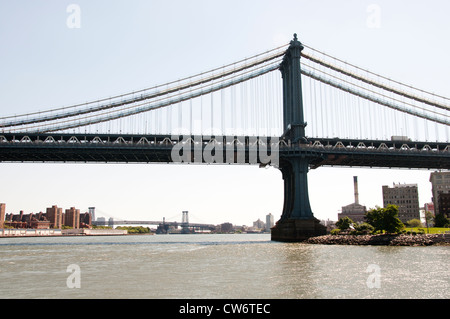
[(158, 148)]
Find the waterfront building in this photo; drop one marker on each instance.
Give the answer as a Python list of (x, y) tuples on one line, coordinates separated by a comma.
[(16, 221), (72, 218), (269, 222), (444, 204), (21, 220), (440, 188), (354, 211), (54, 216), (259, 224), (92, 213), (38, 224), (406, 197), (2, 214), (85, 220)]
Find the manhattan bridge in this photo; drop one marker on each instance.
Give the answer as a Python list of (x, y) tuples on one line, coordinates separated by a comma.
[(293, 107)]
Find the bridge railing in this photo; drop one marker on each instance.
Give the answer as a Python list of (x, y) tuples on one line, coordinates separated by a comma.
[(167, 141)]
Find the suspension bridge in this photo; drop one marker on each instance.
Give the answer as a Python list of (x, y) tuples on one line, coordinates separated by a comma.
[(163, 225), (321, 111)]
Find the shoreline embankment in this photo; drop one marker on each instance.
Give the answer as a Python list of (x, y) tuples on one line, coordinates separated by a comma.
[(382, 240), (29, 232)]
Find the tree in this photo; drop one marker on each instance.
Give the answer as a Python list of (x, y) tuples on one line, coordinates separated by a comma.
[(344, 223), (441, 221), (135, 229), (414, 223), (429, 218), (373, 217), (385, 219)]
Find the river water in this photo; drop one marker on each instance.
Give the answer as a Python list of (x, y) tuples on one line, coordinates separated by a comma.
[(216, 266)]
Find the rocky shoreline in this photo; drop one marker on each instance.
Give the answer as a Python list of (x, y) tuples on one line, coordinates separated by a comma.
[(385, 240)]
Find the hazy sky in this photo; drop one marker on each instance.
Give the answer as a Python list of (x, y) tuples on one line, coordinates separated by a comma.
[(121, 46)]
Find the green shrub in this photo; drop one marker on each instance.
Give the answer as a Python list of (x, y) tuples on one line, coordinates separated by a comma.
[(344, 223), (364, 229), (335, 231)]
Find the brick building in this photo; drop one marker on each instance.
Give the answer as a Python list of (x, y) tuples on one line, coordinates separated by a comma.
[(2, 214), (72, 217), (21, 220), (54, 216)]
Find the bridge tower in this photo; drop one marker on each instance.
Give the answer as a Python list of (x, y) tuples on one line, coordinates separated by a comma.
[(297, 221), (185, 217), (185, 223)]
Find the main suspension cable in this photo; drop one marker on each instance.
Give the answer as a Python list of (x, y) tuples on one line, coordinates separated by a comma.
[(371, 98), (377, 75), (379, 85), (163, 102), (202, 80)]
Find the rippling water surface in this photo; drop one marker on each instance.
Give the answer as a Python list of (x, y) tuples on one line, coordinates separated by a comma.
[(217, 266)]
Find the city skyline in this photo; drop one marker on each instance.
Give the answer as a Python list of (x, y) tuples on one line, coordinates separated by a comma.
[(178, 216), (120, 47)]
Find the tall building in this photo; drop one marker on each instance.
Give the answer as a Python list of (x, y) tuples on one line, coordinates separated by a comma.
[(2, 214), (354, 211), (406, 197), (444, 204), (440, 188), (269, 222), (54, 216), (72, 217), (259, 224), (92, 212)]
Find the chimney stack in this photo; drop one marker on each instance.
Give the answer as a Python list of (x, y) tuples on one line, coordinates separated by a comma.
[(355, 185)]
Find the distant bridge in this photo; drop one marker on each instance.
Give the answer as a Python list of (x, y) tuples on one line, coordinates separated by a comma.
[(150, 222), (163, 226)]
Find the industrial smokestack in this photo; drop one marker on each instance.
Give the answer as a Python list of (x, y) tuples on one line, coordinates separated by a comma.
[(355, 185)]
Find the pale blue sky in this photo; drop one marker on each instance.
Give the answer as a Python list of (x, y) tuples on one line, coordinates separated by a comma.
[(128, 45)]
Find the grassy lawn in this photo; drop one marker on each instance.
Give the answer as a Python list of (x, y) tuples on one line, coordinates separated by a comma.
[(431, 230)]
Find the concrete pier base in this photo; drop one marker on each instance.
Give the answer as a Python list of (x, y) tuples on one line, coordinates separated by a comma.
[(297, 230)]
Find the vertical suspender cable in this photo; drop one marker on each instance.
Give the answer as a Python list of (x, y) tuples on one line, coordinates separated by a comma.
[(222, 117), (321, 104), (316, 109), (360, 118), (190, 117), (241, 91), (233, 108), (212, 113)]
